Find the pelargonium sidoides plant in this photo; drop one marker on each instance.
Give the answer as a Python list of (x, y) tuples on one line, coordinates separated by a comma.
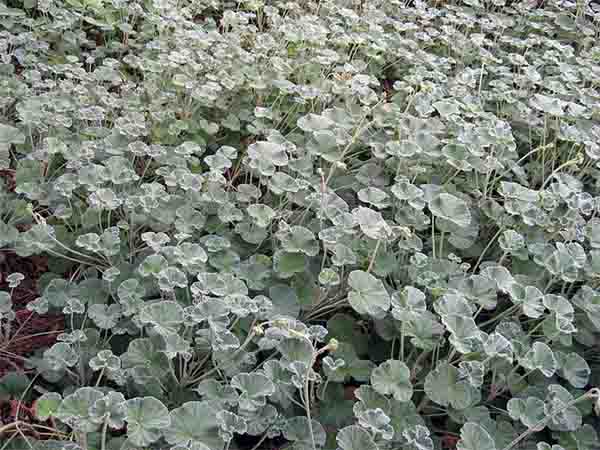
[(332, 224)]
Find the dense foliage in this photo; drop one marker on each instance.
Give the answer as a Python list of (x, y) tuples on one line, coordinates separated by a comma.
[(363, 225)]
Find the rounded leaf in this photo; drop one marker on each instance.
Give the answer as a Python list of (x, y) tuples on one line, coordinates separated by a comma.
[(354, 437), (145, 417), (195, 422), (393, 378)]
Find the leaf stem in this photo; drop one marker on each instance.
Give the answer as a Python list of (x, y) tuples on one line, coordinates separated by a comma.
[(592, 393)]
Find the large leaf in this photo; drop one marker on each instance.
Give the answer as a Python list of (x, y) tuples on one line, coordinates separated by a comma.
[(393, 377), (75, 409), (540, 357), (195, 422), (368, 295), (355, 438), (146, 417), (475, 437), (442, 385), (166, 317), (254, 388), (451, 208)]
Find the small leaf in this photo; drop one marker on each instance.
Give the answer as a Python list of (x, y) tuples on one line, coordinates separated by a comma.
[(47, 405)]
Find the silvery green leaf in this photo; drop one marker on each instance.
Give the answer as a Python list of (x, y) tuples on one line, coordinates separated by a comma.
[(281, 182), (529, 411), (511, 241), (562, 417), (108, 243), (60, 356), (155, 240), (105, 359), (194, 422), (105, 316), (332, 365), (479, 289), (6, 306), (475, 437), (451, 208), (372, 223), (354, 437), (313, 122), (376, 421), (471, 371), (408, 304), (219, 284), (261, 214), (298, 239), (111, 274), (110, 409), (550, 105), (418, 438), (296, 349), (174, 345), (146, 417), (130, 293), (447, 107), (165, 316), (285, 264), (540, 357), (402, 149), (171, 277), (211, 389), (530, 297), (574, 369), (254, 388), (393, 378), (284, 300), (270, 152), (215, 244), (267, 419), (104, 199), (329, 277), (297, 430), (39, 238), (368, 295), (504, 279), (546, 446), (231, 423), (374, 196), (497, 345), (142, 353), (454, 303), (563, 310), (343, 255), (443, 387), (74, 409)]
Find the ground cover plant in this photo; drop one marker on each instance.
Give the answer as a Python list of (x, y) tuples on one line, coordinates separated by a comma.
[(329, 224)]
